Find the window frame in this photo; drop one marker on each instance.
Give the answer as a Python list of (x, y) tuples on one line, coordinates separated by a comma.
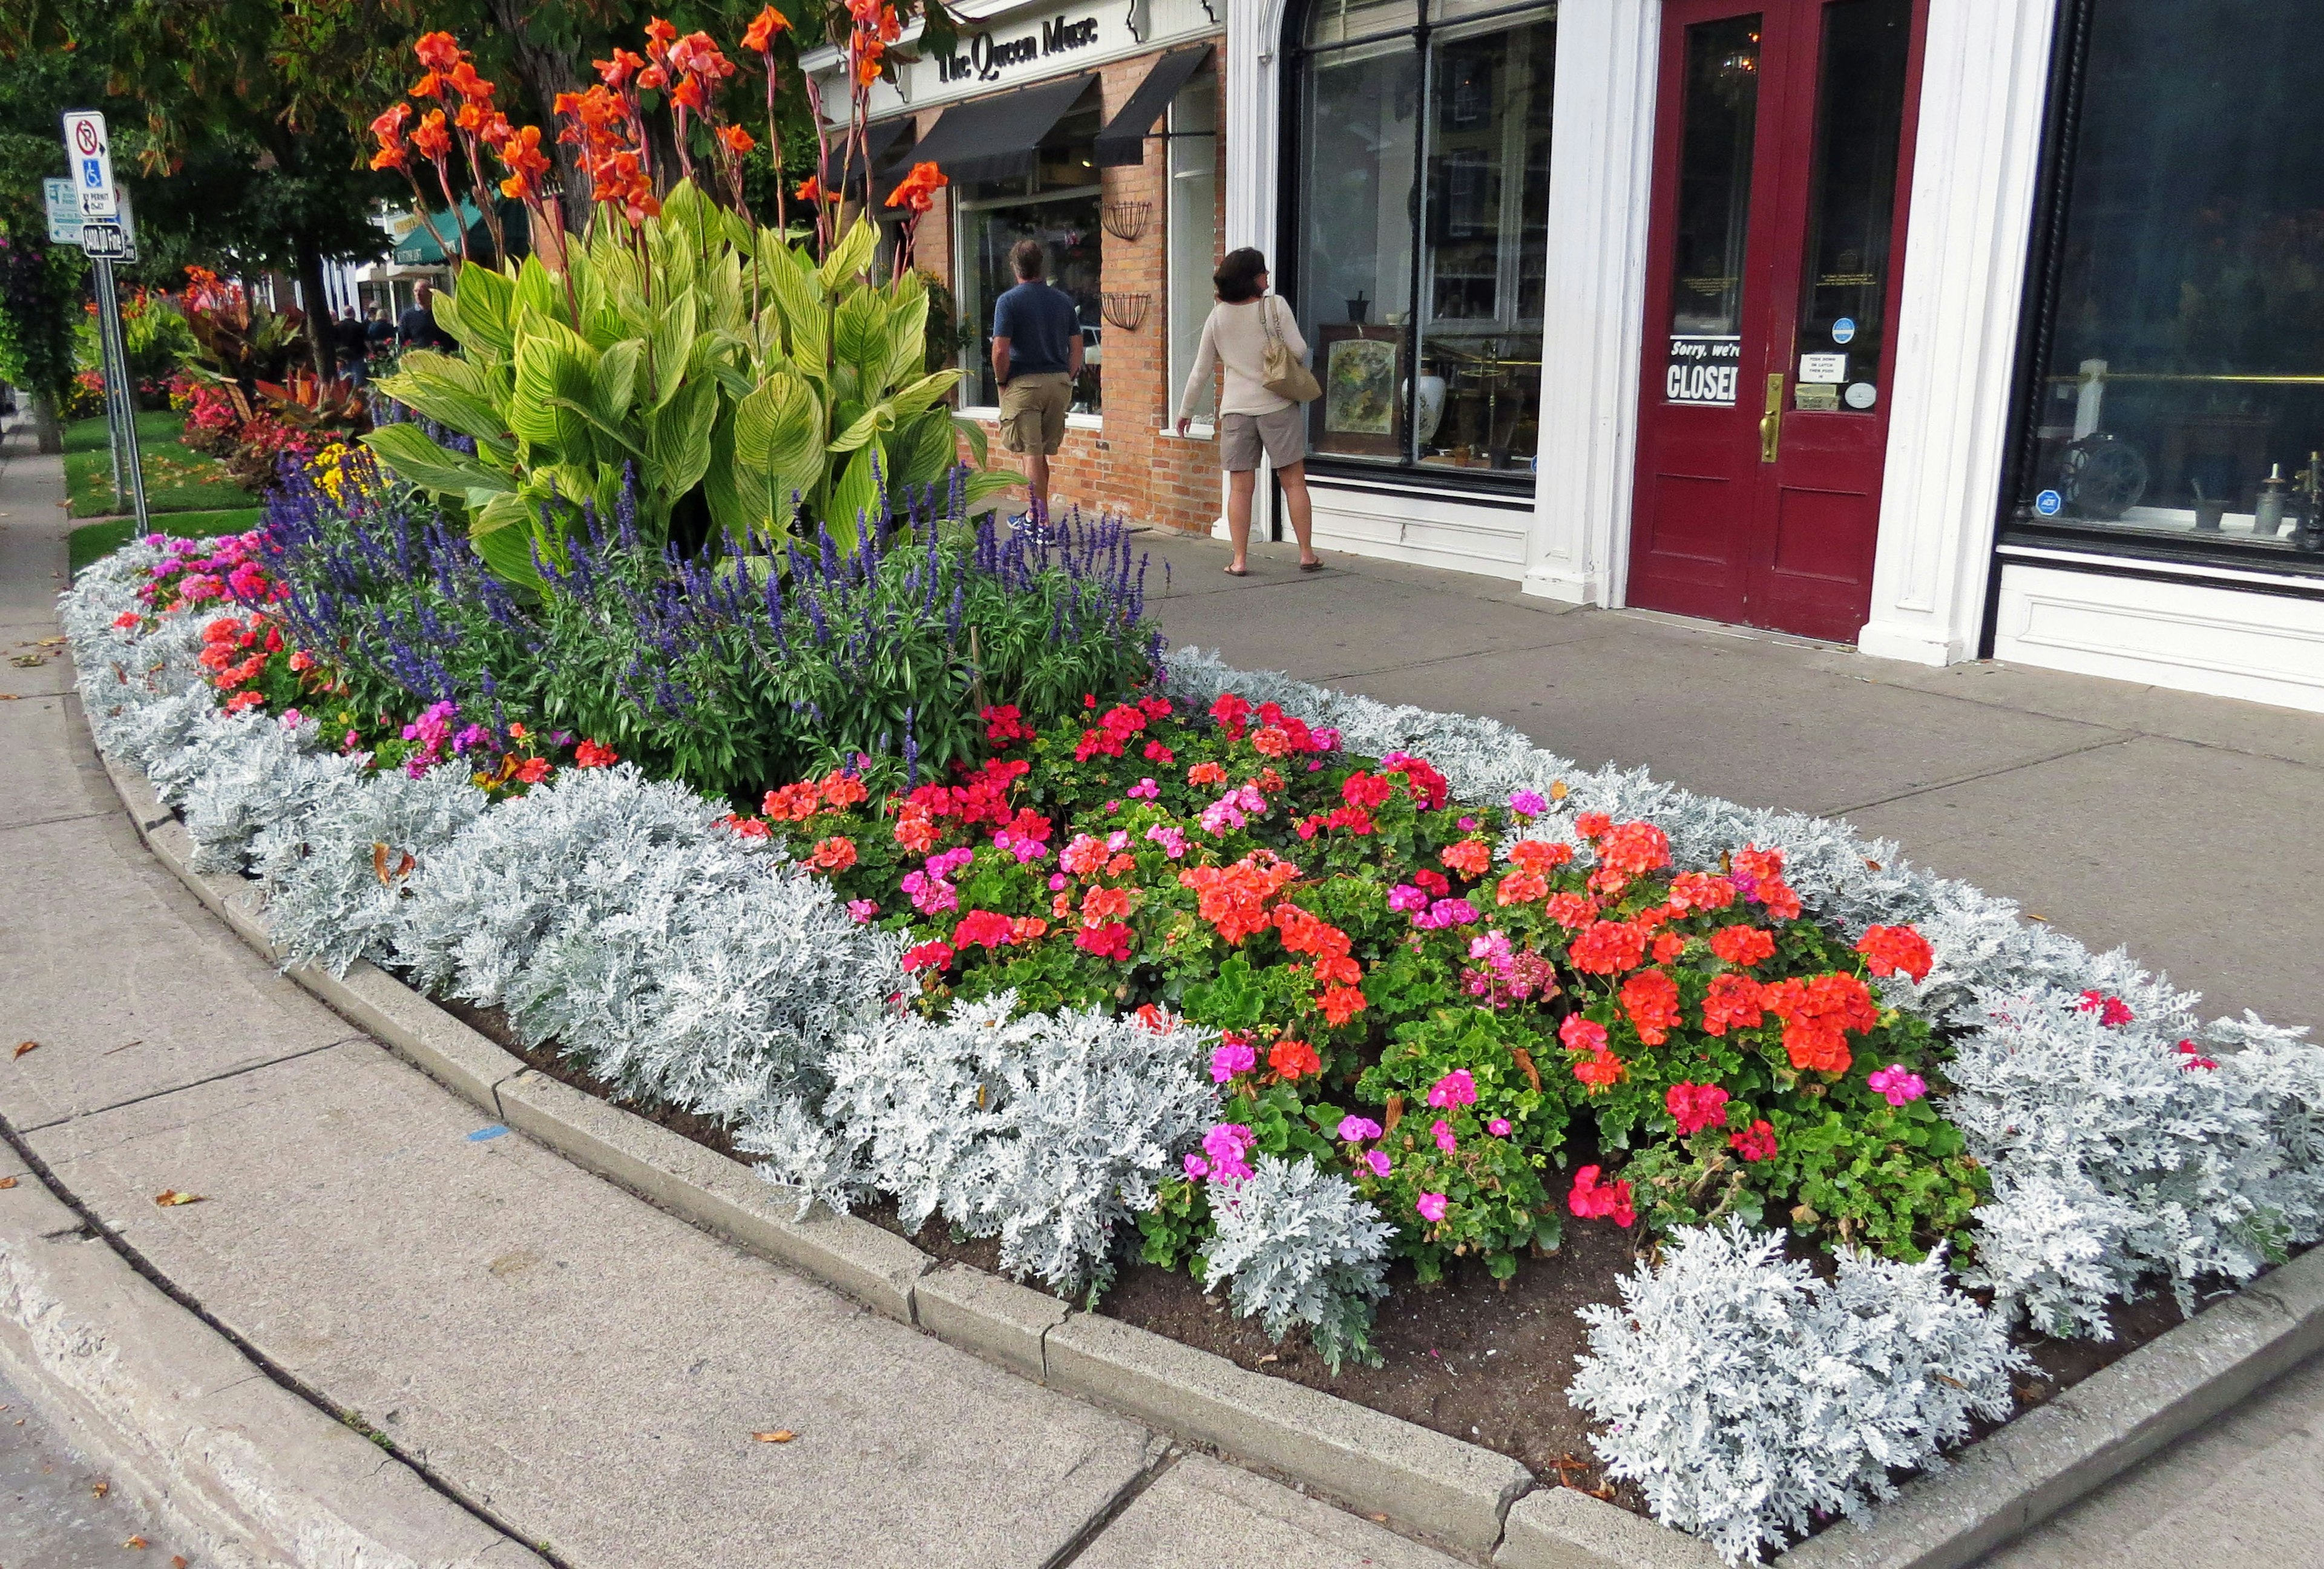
[(1293, 109)]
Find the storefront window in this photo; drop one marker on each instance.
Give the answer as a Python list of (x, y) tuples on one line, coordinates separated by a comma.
[(1057, 204), (1424, 170), (2178, 398), (1194, 227)]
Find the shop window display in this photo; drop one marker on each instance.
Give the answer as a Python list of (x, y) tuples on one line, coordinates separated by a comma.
[(1059, 205), (1422, 231), (2176, 398)]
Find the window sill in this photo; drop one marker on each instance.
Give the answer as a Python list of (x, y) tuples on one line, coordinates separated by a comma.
[(989, 415)]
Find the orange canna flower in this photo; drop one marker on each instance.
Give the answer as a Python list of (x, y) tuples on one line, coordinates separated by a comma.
[(652, 79), (810, 190), (867, 62), (389, 156), (433, 140), (390, 123), (463, 80), (738, 140), (687, 94), (660, 36), (439, 52), (759, 35), (918, 188), (431, 85)]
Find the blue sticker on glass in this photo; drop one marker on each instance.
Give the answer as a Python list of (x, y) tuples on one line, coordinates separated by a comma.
[(2049, 503), (1843, 329)]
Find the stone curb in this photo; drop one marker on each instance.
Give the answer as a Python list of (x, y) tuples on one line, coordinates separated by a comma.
[(245, 1473), (1455, 1492), (1461, 1493)]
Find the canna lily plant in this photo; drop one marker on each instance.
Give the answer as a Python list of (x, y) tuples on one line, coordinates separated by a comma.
[(746, 386)]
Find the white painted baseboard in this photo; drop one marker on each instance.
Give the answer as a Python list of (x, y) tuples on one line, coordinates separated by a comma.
[(2263, 647)]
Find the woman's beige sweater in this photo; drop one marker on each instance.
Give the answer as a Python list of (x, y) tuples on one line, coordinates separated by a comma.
[(1234, 336)]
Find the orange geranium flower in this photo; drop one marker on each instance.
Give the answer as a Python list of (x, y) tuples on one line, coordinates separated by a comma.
[(1650, 998), (1469, 857)]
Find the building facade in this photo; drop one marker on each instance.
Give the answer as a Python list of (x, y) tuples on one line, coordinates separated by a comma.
[(1941, 328)]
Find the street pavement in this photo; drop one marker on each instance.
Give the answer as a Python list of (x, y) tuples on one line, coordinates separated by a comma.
[(587, 1370), (57, 1510)]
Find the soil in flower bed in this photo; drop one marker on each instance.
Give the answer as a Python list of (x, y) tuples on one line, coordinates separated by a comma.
[(1477, 1359)]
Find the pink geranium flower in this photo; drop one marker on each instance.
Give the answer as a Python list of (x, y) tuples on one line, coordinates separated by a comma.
[(1431, 1207)]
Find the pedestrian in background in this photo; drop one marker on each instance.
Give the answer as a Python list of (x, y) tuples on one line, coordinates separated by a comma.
[(1253, 419), (1037, 353)]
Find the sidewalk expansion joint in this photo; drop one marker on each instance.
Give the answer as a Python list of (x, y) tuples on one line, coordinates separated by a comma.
[(59, 817), (2114, 738), (1456, 659), (262, 1364), (1115, 1507), (232, 1073)]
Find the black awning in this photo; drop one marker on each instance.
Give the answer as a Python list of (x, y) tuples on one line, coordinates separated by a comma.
[(883, 138), (1124, 142), (997, 137)]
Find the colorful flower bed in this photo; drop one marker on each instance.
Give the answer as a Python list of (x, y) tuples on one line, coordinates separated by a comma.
[(1258, 981)]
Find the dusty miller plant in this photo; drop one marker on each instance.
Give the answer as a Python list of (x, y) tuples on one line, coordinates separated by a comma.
[(1747, 1398), (1298, 1246), (338, 878), (1048, 1132)]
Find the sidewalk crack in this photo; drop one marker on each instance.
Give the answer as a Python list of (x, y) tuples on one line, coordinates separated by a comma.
[(1098, 1523), (232, 1073)]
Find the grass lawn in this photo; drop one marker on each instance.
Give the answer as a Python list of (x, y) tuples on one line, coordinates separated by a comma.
[(153, 429), (94, 541), (176, 479)]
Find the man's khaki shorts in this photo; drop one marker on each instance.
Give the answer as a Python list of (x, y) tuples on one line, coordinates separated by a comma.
[(1033, 413), (1282, 435)]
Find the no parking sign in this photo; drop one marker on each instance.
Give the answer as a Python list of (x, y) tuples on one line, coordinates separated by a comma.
[(89, 151)]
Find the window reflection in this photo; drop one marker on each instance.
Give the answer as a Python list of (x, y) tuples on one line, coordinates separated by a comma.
[(2182, 392)]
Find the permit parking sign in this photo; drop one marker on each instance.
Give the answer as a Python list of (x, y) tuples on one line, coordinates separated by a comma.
[(89, 152)]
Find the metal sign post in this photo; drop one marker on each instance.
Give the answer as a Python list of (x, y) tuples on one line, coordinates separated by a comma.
[(104, 237)]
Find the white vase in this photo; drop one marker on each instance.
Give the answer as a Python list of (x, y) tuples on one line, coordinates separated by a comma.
[(1431, 412)]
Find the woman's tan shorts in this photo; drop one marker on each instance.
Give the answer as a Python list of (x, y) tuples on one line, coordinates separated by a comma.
[(1282, 435)]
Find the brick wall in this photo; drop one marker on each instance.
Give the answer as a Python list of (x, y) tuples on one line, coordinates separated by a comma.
[(1129, 465)]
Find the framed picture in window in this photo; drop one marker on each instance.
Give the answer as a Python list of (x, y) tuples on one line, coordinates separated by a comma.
[(1361, 367)]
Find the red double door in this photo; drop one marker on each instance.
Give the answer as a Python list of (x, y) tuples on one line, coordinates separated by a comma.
[(1782, 170)]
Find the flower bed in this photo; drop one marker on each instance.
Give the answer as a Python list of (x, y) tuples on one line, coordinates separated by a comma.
[(1230, 973)]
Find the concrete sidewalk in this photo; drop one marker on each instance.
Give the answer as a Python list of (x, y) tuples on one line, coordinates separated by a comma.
[(2190, 829), (585, 1370)]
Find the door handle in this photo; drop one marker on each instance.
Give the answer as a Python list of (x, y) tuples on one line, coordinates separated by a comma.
[(1771, 423)]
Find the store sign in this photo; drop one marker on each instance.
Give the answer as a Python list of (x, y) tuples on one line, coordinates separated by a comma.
[(1702, 370), (984, 59)]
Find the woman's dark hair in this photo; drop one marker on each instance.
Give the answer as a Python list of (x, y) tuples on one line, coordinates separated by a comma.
[(1238, 276)]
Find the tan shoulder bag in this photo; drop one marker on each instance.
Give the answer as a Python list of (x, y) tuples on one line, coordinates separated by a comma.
[(1286, 377)]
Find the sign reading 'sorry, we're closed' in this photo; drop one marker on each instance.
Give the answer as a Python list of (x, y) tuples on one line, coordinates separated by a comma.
[(1702, 369)]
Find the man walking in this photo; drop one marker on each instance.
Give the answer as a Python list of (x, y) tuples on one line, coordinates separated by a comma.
[(1037, 353), (348, 338)]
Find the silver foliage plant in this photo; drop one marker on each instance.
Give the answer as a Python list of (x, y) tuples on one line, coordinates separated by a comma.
[(677, 963), (1049, 1131), (337, 877), (1747, 1399), (1297, 1246)]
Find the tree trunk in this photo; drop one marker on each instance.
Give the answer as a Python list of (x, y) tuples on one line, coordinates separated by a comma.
[(48, 434), (547, 72), (318, 306)]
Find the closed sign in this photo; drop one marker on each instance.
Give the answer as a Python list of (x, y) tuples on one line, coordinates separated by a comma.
[(1702, 370)]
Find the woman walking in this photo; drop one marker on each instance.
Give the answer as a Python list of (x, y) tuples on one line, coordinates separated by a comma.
[(1253, 419)]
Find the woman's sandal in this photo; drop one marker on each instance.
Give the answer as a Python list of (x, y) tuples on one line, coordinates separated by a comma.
[(1311, 566), (1238, 571)]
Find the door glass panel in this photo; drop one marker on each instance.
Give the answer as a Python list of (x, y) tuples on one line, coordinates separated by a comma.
[(1719, 113), (1852, 204)]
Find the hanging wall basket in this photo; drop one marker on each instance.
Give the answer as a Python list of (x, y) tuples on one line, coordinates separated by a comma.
[(1126, 311), (1127, 220)]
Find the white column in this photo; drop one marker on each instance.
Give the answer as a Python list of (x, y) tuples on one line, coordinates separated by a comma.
[(1253, 72), (1982, 91), (1601, 186)]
